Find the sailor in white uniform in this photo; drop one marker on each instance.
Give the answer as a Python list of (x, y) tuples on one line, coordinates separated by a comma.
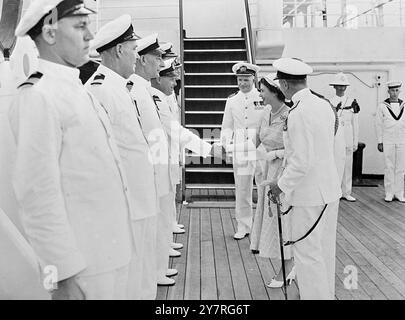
[(69, 179), (148, 67), (309, 181), (178, 136), (116, 44), (390, 128), (243, 112), (348, 110)]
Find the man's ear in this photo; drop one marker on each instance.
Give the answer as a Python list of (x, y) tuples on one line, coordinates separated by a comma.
[(49, 34), (119, 50)]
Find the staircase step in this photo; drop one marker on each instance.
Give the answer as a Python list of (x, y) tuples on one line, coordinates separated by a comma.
[(209, 66), (210, 186), (205, 104), (215, 55), (207, 78), (209, 91), (194, 161), (204, 112), (207, 118), (214, 43), (210, 177)]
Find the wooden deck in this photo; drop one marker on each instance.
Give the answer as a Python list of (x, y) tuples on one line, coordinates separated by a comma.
[(213, 266)]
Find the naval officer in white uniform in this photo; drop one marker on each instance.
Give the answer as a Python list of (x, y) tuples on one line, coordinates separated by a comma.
[(243, 112), (69, 179), (148, 67), (347, 110), (390, 128), (309, 181), (116, 44), (179, 137)]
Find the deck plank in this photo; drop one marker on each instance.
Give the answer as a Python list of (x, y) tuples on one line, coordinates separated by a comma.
[(208, 276), (239, 279), (192, 290), (177, 291), (255, 280), (222, 265), (370, 236)]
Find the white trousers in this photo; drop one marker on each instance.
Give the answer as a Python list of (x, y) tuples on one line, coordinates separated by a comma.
[(315, 256), (164, 236), (243, 175), (394, 156), (347, 173), (112, 285), (142, 275)]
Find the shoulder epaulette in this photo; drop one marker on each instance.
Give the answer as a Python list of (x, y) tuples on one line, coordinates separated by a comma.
[(233, 94), (98, 79), (31, 80)]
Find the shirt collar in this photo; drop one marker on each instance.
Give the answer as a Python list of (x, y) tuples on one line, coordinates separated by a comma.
[(112, 76), (139, 81), (300, 94), (59, 71)]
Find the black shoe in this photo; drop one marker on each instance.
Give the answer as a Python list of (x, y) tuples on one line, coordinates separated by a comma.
[(255, 251)]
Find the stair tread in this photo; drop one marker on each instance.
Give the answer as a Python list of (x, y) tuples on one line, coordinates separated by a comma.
[(214, 50), (210, 74), (211, 169), (205, 99), (209, 186), (204, 112), (215, 39), (203, 125), (211, 86), (212, 61)]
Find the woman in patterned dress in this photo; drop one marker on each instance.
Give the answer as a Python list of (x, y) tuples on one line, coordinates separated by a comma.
[(270, 152)]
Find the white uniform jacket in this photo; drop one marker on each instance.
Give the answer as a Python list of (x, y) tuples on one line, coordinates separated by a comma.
[(154, 132), (310, 177), (348, 119), (68, 177), (390, 127), (242, 115), (111, 91), (179, 137)]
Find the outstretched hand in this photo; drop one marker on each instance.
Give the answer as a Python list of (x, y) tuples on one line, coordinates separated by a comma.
[(218, 151)]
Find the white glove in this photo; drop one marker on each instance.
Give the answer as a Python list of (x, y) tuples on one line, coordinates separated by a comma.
[(274, 155), (270, 155)]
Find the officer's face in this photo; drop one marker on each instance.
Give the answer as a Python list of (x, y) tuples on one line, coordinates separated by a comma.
[(245, 83), (72, 40), (167, 85), (129, 57), (394, 93), (154, 63)]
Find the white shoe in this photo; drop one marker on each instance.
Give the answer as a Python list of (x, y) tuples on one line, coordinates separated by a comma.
[(181, 226), (240, 235), (176, 246), (171, 272), (349, 198), (165, 281), (174, 253), (400, 199), (388, 198), (178, 230), (278, 284)]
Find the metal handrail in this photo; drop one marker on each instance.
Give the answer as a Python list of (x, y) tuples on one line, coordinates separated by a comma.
[(183, 107), (249, 34)]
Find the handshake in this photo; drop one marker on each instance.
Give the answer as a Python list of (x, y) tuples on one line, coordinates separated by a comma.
[(218, 151)]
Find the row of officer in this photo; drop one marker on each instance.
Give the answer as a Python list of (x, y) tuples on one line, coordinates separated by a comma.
[(92, 172)]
